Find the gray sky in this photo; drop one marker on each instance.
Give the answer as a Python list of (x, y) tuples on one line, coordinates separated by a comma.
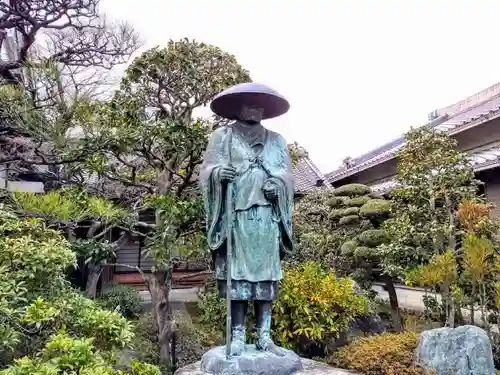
[(357, 73)]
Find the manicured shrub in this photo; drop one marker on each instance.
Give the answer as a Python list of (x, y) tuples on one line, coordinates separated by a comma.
[(357, 202), (375, 208), (352, 190), (313, 304), (124, 298), (350, 211), (372, 237), (336, 214), (334, 202), (386, 354), (348, 247), (363, 252), (349, 220)]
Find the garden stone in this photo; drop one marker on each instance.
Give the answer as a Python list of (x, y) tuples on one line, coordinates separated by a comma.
[(309, 367), (465, 350)]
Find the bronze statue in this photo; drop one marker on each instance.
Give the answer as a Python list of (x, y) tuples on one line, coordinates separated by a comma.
[(248, 190)]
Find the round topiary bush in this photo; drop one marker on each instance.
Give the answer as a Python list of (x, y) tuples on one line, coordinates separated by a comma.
[(364, 252), (334, 202), (373, 237), (124, 298), (375, 208), (348, 247), (336, 214), (350, 211), (349, 220), (351, 190), (357, 201)]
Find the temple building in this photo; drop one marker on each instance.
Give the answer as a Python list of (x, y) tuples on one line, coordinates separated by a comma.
[(474, 122)]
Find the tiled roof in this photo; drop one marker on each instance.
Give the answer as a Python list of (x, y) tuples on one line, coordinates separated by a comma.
[(307, 175), (481, 159), (457, 122), (474, 116)]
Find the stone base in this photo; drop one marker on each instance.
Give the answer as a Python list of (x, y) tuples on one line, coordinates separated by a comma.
[(254, 362), (251, 362)]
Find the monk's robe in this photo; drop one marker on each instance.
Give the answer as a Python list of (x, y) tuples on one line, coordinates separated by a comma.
[(262, 228)]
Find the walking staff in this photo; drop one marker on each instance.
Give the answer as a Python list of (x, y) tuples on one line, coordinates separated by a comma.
[(229, 243)]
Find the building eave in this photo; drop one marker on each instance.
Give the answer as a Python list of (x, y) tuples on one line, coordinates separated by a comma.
[(467, 119), (482, 159)]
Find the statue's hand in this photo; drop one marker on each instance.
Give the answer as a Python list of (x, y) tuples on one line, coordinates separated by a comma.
[(227, 173), (270, 191)]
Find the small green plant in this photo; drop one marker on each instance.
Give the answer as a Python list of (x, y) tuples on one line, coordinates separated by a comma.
[(211, 308), (123, 298), (145, 341)]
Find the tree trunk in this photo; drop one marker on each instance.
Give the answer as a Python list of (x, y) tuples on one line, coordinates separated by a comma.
[(459, 316), (449, 304), (471, 307), (95, 271), (159, 285), (393, 301)]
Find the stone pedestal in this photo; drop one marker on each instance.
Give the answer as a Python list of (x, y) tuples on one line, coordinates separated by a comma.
[(250, 362), (258, 363)]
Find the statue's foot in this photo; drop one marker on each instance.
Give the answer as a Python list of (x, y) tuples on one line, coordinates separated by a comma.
[(267, 345), (237, 347)]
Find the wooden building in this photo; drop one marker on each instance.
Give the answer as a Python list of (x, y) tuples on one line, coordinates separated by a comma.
[(474, 122)]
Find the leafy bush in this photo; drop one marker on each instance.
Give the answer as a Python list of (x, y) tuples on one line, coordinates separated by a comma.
[(386, 354), (145, 342), (212, 308), (36, 300), (194, 339), (66, 355), (312, 304), (123, 298)]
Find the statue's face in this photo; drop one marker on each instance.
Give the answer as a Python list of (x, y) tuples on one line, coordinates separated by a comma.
[(251, 114)]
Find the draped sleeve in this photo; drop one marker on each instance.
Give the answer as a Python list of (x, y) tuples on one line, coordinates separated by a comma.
[(212, 188), (281, 175)]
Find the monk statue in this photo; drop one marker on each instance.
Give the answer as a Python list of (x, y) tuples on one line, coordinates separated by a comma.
[(256, 162)]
